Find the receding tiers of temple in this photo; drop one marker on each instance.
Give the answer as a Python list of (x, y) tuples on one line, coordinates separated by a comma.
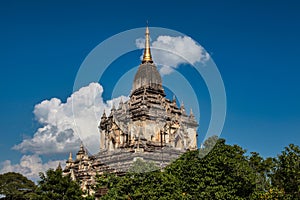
[(148, 126)]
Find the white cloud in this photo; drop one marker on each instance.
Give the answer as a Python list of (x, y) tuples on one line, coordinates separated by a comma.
[(170, 52), (140, 43), (30, 166), (64, 124)]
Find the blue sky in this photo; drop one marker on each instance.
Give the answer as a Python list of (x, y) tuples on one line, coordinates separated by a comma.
[(255, 45)]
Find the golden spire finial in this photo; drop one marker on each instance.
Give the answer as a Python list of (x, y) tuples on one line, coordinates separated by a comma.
[(147, 53)]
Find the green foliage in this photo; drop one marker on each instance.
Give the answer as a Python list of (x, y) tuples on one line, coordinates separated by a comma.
[(54, 186), (263, 168), (16, 186), (149, 185), (224, 173), (106, 180), (272, 193), (143, 181), (286, 173)]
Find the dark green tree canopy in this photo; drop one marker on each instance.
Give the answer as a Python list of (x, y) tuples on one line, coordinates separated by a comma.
[(224, 173), (286, 173), (54, 186), (16, 186)]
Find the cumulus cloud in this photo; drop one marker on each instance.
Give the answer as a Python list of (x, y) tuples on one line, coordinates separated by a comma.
[(140, 43), (170, 52), (30, 166), (64, 125)]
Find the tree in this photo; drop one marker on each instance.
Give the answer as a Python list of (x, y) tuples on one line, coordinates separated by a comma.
[(286, 173), (149, 185), (263, 168), (272, 193), (54, 186), (16, 186), (224, 173), (143, 181)]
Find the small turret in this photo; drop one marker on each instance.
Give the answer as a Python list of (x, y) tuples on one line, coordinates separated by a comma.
[(81, 150), (192, 114), (174, 99), (69, 162), (103, 115), (182, 109), (103, 121), (113, 107), (72, 175), (81, 153), (70, 159), (59, 168)]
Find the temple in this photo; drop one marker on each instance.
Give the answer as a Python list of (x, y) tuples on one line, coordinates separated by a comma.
[(148, 126)]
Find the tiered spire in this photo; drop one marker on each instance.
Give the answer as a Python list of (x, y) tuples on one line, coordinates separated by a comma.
[(81, 149), (103, 115), (147, 52), (70, 157), (59, 168), (192, 114), (174, 99), (182, 108), (121, 103)]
